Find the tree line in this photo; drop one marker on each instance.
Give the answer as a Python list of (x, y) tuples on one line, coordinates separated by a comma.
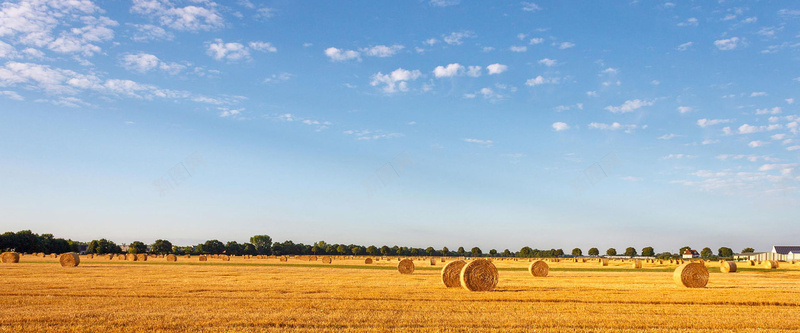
[(26, 241)]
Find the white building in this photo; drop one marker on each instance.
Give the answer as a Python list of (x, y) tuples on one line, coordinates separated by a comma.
[(779, 253)]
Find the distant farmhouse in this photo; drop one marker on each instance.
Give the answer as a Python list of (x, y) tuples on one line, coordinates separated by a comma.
[(779, 253), (690, 254)]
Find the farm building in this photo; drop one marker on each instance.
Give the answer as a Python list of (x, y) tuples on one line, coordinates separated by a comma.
[(779, 253), (690, 254)]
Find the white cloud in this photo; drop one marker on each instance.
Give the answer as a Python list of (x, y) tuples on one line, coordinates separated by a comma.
[(667, 136), (710, 122), (487, 49), (615, 126), (749, 129), (609, 70), (474, 71), (677, 156), (444, 3), (530, 7), (535, 41), (496, 68), (775, 110), (456, 38), (629, 106), (789, 101), (591, 93), (778, 136), (449, 71), (220, 50), (288, 117), (684, 46), (565, 45), (684, 109), (263, 47), (757, 143), (548, 62), (758, 94), (431, 41), (515, 48), (263, 14), (278, 78), (144, 62), (188, 18), (229, 112), (11, 95), (690, 22), (395, 81), (539, 80), (709, 141), (382, 51), (487, 143), (793, 148), (342, 55), (559, 126), (727, 44), (149, 32), (367, 135)]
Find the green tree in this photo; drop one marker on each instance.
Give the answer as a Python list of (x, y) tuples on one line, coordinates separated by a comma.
[(137, 247), (233, 248), (506, 253), (630, 252), (341, 249), (414, 251), (263, 243), (161, 246), (576, 252), (372, 250), (706, 253), (461, 250), (430, 250), (476, 251), (748, 250), (213, 246), (611, 251), (648, 251), (725, 252), (445, 251), (249, 249), (594, 251), (559, 253), (493, 253), (385, 250), (356, 250), (525, 252)]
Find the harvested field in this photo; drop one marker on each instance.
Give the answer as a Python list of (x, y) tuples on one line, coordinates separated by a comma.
[(348, 296)]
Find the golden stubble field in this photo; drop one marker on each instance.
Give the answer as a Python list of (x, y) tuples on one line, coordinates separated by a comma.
[(257, 295)]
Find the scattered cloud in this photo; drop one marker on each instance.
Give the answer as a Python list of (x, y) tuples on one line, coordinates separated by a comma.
[(559, 126), (444, 3), (565, 45), (667, 136), (548, 62), (275, 78), (317, 124), (496, 68), (382, 51), (684, 109), (757, 143), (775, 110), (615, 127), (11, 95), (685, 46), (530, 7), (144, 62), (263, 47), (690, 22), (220, 50), (539, 80), (535, 41), (342, 55), (487, 143), (457, 38), (677, 156), (448, 71), (515, 48), (367, 135), (710, 122), (198, 16), (728, 44), (149, 32), (758, 94), (629, 106), (395, 81)]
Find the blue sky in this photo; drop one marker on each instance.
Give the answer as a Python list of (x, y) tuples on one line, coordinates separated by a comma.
[(415, 123)]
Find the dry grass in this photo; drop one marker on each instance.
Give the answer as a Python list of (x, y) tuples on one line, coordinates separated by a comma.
[(216, 296)]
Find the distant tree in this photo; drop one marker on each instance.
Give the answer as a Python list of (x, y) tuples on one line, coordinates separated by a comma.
[(493, 253), (706, 253), (385, 250), (372, 250), (430, 250), (576, 252), (249, 249), (559, 253), (356, 250), (161, 246), (414, 251), (748, 250), (263, 243), (137, 247), (683, 249), (233, 248), (507, 253), (630, 252), (93, 247), (213, 246), (341, 249), (525, 252), (594, 251), (461, 250), (445, 251), (476, 251), (611, 251), (648, 251), (725, 252)]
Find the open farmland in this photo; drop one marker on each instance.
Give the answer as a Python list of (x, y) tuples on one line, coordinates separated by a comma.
[(254, 295)]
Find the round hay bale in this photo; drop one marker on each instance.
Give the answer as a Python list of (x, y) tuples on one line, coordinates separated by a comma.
[(637, 264), (368, 261), (9, 257), (284, 258), (312, 258), (451, 273), (479, 275), (225, 257), (69, 259), (539, 268), (433, 262), (443, 259), (110, 257), (691, 275), (141, 257), (603, 262), (661, 262), (172, 257), (727, 266), (203, 258), (327, 260), (770, 264), (131, 257), (405, 266)]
